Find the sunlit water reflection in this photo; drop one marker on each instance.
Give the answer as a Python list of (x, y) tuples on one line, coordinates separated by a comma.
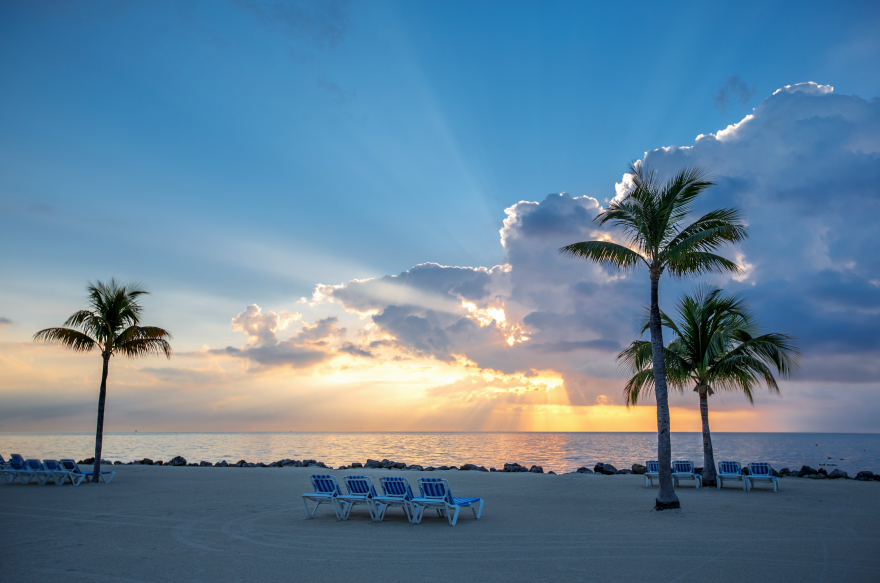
[(561, 452)]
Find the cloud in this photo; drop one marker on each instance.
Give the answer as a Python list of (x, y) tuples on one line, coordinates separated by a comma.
[(322, 24), (736, 88), (261, 328), (336, 94), (5, 321)]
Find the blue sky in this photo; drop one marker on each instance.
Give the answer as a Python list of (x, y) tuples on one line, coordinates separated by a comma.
[(244, 152)]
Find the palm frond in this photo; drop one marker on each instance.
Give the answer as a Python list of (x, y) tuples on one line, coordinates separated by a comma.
[(698, 263), (604, 253), (73, 339)]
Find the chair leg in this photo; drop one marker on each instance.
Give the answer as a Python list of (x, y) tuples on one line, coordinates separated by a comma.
[(453, 518), (478, 513)]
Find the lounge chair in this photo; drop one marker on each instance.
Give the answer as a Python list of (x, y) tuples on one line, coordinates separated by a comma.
[(652, 471), (17, 470), (326, 490), (17, 457), (761, 472), (73, 468), (360, 491), (61, 475), (41, 472), (396, 492), (730, 471), (435, 493), (684, 470), (3, 462)]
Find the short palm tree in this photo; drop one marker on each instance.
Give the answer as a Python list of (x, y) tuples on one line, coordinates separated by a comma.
[(112, 325), (716, 346), (652, 218)]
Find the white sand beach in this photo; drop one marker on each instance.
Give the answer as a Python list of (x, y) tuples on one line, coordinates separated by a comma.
[(247, 524)]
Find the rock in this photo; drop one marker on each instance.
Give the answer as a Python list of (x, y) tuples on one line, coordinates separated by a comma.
[(292, 464), (818, 476), (158, 463), (536, 470), (515, 467), (624, 471), (473, 468), (175, 461), (88, 461), (823, 471), (356, 465), (193, 465), (415, 467), (442, 468), (221, 464), (551, 472), (606, 469), (260, 465), (492, 470), (117, 463), (837, 474), (430, 469), (583, 470), (775, 473), (784, 472), (240, 464), (806, 471), (639, 469), (373, 464), (865, 476)]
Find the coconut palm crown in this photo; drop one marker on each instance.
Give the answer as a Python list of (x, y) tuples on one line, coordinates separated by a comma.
[(111, 324), (653, 219), (716, 346)]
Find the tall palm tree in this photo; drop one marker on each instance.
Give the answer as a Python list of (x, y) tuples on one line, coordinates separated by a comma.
[(112, 325), (652, 218), (717, 346)]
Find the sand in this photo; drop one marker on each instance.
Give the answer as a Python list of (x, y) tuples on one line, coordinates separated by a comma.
[(247, 524)]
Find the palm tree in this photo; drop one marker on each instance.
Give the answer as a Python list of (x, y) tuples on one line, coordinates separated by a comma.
[(652, 219), (112, 325), (716, 346)]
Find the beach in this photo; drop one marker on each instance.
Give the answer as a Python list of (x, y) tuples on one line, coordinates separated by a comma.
[(157, 523)]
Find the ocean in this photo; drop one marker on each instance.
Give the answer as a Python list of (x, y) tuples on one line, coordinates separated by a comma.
[(560, 452)]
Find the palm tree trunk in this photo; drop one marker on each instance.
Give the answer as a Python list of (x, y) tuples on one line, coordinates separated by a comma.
[(666, 498), (99, 434), (709, 473)]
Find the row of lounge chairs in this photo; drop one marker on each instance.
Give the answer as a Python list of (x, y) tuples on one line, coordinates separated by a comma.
[(396, 491), (27, 470), (730, 471)]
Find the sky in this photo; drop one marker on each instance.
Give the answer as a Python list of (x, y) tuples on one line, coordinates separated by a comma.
[(348, 213)]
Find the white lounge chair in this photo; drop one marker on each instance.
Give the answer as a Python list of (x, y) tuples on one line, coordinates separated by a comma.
[(653, 471), (326, 491), (684, 470), (435, 493), (73, 468), (396, 492), (761, 472), (16, 470), (41, 472), (61, 475), (730, 471), (360, 491)]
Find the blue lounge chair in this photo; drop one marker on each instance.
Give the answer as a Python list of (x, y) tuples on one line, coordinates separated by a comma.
[(16, 470), (41, 473), (653, 471), (360, 491), (396, 492), (435, 493), (730, 471), (684, 470), (61, 475), (326, 491), (17, 457), (3, 462), (761, 472), (73, 468)]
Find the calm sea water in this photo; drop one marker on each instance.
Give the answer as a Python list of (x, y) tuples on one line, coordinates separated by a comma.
[(561, 452)]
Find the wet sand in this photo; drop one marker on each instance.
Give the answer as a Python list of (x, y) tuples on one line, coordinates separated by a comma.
[(247, 524)]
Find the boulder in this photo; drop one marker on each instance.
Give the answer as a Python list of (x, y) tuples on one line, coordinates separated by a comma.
[(837, 474), (415, 467), (159, 463), (473, 468), (373, 464), (784, 473), (865, 476), (536, 470), (515, 467), (624, 471), (606, 469), (823, 472), (117, 463), (492, 470), (356, 465), (639, 469), (442, 467), (240, 464), (291, 464), (806, 471), (205, 464), (261, 465), (583, 470), (221, 464), (175, 461), (551, 472), (193, 465), (88, 461), (430, 469)]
